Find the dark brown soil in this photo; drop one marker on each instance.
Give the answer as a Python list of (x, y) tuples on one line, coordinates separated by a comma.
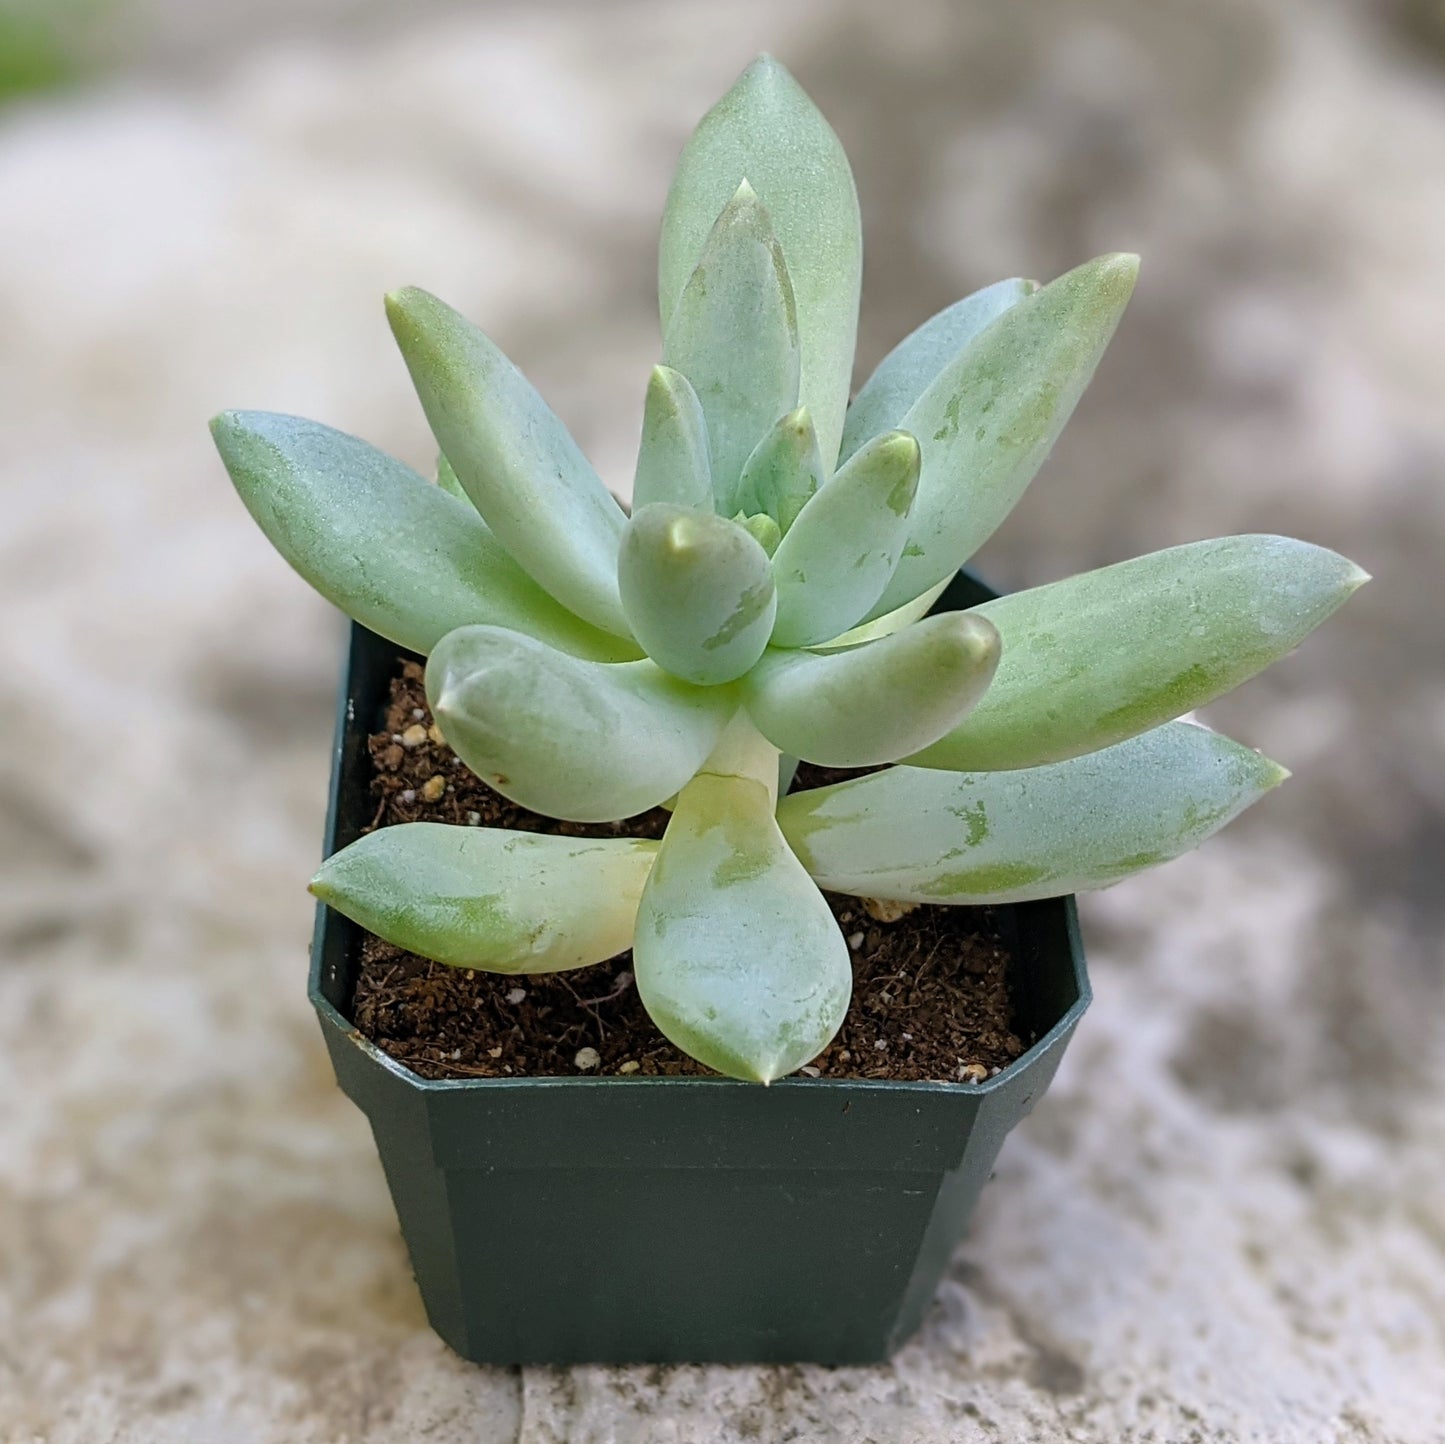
[(930, 988)]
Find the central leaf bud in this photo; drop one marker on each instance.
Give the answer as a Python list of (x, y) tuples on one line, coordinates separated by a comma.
[(763, 530)]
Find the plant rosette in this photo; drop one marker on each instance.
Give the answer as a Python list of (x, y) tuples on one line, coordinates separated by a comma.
[(771, 596)]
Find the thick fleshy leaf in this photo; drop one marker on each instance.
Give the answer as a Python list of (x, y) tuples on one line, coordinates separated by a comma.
[(585, 741), (505, 902), (990, 417), (1106, 655), (734, 335), (447, 480), (785, 469), (513, 457), (381, 542), (763, 530), (672, 462), (698, 590), (837, 559), (873, 703), (908, 370), (767, 131), (1003, 837), (738, 958), (891, 622)]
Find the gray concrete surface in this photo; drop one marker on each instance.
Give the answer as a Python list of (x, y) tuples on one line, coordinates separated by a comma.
[(1227, 1222)]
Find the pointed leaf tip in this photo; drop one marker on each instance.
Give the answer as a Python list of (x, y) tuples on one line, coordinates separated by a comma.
[(734, 335), (783, 471), (1001, 837), (582, 741), (505, 902), (738, 958), (989, 419), (767, 129), (672, 458), (908, 370), (515, 459), (837, 558), (873, 704), (900, 450), (766, 73), (1099, 657), (381, 542)]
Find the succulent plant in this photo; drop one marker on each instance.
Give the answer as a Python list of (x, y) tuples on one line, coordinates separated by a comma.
[(766, 600)]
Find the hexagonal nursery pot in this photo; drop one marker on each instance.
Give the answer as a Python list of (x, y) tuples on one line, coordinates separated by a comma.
[(571, 1220)]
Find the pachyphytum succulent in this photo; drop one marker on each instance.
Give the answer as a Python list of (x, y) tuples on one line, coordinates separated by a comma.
[(766, 599)]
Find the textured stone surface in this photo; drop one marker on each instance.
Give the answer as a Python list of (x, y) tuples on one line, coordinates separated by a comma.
[(1227, 1222)]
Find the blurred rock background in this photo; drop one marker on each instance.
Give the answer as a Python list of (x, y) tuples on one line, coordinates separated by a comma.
[(1227, 1221)]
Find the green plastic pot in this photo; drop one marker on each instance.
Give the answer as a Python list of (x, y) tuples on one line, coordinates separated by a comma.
[(659, 1220)]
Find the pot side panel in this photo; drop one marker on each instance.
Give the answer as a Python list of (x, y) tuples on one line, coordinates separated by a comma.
[(681, 1265)]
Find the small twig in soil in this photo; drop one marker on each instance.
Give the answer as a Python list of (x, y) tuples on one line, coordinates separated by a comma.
[(932, 953), (623, 983)]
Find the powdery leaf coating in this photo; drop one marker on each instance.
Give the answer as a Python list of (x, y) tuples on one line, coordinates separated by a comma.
[(514, 458), (784, 470), (734, 335), (1100, 657), (845, 545), (767, 131), (585, 741), (779, 601), (990, 418), (504, 902), (737, 957), (872, 704), (908, 370), (672, 460), (698, 590), (893, 621), (393, 551), (1004, 837), (447, 480)]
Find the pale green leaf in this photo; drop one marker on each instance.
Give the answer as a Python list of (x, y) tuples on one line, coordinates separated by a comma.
[(585, 741), (1003, 837), (504, 902), (514, 458), (908, 370), (837, 559), (672, 462), (734, 335), (893, 621), (989, 419), (874, 703), (381, 542), (447, 480), (1103, 656), (767, 131), (698, 590), (784, 470), (737, 957), (762, 528)]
